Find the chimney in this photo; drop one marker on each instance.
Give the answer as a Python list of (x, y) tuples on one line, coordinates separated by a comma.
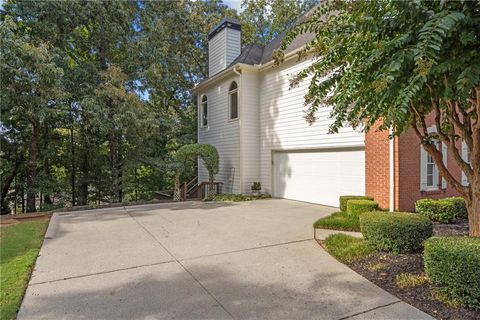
[(224, 45)]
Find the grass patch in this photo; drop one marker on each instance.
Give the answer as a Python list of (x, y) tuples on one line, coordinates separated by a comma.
[(339, 221), (445, 299), (346, 248), (377, 266), (408, 280), (19, 247)]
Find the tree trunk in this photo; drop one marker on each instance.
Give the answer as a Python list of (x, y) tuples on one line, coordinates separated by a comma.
[(32, 169), (84, 167), (6, 185), (473, 207), (113, 146)]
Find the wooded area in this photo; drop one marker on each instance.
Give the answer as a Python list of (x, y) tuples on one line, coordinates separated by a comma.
[(95, 95)]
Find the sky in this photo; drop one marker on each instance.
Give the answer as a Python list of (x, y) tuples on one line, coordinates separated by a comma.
[(234, 4)]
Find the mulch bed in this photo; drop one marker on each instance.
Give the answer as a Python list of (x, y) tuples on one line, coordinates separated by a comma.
[(9, 219), (457, 228), (423, 296)]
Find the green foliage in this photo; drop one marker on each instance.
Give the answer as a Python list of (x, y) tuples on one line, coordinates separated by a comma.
[(356, 207), (343, 200), (395, 63), (256, 186), (347, 248), (19, 247), (235, 197), (376, 68), (339, 221), (263, 20), (452, 263), (442, 210), (397, 232), (408, 280), (206, 152)]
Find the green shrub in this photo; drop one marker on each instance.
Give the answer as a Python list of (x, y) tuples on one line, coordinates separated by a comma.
[(343, 200), (338, 221), (346, 248), (398, 232), (442, 210), (356, 207), (453, 264)]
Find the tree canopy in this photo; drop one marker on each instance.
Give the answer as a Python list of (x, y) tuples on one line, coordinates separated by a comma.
[(96, 95), (401, 62)]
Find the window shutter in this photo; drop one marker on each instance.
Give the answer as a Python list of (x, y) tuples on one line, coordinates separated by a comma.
[(423, 169), (444, 158), (464, 157)]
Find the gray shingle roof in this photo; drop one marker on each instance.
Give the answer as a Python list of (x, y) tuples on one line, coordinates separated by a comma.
[(256, 54)]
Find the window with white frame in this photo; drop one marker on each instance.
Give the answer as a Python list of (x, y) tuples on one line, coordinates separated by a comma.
[(432, 173), (233, 101), (429, 174), (204, 111)]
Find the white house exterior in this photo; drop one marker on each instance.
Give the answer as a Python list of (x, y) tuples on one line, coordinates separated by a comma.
[(248, 111), (270, 141)]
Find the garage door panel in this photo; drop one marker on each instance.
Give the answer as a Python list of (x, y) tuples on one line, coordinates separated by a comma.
[(320, 176)]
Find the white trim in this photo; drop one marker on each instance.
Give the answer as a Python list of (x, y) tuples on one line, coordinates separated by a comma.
[(202, 103), (230, 93), (391, 154)]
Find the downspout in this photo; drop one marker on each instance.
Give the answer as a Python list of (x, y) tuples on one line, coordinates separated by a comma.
[(391, 156), (240, 126)]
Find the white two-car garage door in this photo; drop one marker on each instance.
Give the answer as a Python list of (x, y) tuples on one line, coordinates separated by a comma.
[(319, 176)]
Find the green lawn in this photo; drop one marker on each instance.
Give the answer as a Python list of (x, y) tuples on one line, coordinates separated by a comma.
[(346, 248), (339, 221), (19, 247)]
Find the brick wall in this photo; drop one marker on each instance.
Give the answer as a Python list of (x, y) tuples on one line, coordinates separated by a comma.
[(377, 165), (407, 164), (406, 169)]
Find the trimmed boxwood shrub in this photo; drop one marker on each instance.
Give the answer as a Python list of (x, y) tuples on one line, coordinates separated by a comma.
[(356, 207), (442, 210), (453, 264), (398, 232), (344, 199)]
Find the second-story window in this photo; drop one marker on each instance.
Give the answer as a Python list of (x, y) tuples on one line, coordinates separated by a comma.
[(204, 111), (233, 101)]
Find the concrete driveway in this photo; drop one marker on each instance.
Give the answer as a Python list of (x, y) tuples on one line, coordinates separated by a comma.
[(195, 260)]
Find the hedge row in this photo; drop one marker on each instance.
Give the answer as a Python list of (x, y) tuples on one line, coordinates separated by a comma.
[(442, 210), (344, 200), (453, 264), (356, 207), (398, 232)]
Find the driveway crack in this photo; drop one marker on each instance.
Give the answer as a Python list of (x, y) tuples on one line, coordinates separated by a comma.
[(179, 262), (366, 311)]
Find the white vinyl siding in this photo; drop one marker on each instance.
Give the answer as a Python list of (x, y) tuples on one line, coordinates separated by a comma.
[(223, 48), (250, 121), (216, 53), (222, 134), (282, 122), (233, 46)]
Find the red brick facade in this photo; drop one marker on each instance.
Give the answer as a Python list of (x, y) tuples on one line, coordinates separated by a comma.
[(377, 168), (407, 164), (406, 170)]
